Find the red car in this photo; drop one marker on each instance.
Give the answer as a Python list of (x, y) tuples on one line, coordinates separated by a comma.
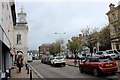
[(98, 66)]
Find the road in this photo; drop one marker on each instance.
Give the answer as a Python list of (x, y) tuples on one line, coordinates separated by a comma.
[(48, 71)]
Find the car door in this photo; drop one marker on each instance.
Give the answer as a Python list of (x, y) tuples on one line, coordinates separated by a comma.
[(86, 65), (93, 64)]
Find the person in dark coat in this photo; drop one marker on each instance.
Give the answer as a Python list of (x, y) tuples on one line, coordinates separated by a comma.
[(19, 63)]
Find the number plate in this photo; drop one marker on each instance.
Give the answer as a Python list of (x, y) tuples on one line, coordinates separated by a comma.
[(107, 65)]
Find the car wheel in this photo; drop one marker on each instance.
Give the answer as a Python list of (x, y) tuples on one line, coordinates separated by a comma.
[(81, 69), (95, 72), (63, 65)]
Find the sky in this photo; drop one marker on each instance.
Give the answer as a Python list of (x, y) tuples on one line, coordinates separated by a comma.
[(46, 17)]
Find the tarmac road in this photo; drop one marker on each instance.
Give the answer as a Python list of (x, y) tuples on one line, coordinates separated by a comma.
[(47, 71)]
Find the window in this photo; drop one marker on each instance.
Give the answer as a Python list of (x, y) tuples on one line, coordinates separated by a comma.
[(88, 60), (2, 5), (7, 7), (114, 16), (94, 60), (18, 39), (115, 28)]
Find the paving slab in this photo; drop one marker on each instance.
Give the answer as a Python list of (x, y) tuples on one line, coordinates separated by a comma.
[(23, 73)]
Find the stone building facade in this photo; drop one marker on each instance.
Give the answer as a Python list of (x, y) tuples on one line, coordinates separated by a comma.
[(21, 34), (7, 23), (44, 49), (114, 25)]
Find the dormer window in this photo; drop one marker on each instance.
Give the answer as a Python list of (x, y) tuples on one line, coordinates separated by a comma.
[(114, 16)]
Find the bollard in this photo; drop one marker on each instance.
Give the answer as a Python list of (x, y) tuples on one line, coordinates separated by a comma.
[(27, 70), (30, 74)]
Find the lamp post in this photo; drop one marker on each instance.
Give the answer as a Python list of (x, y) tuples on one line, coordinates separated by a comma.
[(61, 46)]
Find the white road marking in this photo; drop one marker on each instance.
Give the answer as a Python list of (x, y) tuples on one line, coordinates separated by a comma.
[(36, 71)]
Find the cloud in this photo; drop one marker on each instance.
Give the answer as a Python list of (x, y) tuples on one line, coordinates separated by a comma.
[(64, 0), (44, 19)]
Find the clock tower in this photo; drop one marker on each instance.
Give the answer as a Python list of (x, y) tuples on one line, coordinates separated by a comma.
[(22, 16), (21, 34)]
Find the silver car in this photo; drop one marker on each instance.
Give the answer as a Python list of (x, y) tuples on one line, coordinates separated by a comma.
[(112, 54)]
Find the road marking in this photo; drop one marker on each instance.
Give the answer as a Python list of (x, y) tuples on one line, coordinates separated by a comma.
[(36, 71)]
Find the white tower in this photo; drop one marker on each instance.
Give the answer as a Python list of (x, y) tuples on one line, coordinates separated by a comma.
[(22, 16), (21, 34)]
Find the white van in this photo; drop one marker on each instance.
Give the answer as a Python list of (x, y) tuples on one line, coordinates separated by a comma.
[(29, 57)]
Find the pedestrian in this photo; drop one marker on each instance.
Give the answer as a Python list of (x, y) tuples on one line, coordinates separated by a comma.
[(19, 63)]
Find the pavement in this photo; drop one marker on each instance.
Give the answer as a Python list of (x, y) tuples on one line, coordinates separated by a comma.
[(23, 73), (70, 62)]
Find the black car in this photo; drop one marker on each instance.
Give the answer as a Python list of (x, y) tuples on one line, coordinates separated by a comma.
[(48, 60)]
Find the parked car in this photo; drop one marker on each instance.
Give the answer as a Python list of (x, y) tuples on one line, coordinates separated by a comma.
[(81, 56), (117, 52), (29, 57), (70, 56), (48, 60), (44, 60), (111, 53), (35, 57), (99, 65), (58, 61), (101, 54)]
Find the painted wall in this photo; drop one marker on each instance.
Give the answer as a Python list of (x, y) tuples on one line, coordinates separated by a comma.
[(21, 29)]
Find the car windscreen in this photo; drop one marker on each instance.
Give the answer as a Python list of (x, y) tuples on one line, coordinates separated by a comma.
[(99, 53), (83, 54), (59, 58), (109, 52), (105, 59)]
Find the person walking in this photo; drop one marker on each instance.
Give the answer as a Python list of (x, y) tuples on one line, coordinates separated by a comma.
[(19, 63)]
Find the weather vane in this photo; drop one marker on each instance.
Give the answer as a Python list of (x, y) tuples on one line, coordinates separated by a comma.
[(22, 9)]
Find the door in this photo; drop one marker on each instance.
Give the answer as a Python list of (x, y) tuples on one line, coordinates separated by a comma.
[(86, 65)]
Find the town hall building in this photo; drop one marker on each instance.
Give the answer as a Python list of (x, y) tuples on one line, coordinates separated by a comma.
[(21, 34)]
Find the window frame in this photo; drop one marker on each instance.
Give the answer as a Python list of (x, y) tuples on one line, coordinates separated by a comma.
[(19, 39)]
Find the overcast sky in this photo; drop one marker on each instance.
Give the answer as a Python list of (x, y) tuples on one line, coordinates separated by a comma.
[(46, 18)]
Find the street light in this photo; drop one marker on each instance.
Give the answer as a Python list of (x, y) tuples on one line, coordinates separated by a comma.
[(60, 33), (62, 46)]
